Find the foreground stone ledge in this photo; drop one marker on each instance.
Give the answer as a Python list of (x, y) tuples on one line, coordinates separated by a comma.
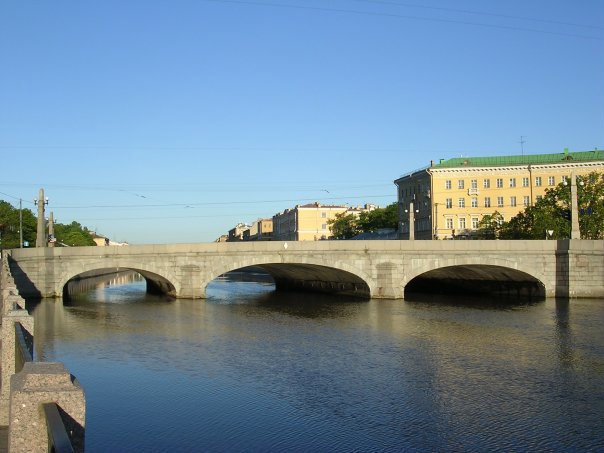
[(36, 384)]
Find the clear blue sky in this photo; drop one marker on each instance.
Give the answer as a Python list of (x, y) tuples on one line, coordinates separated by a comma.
[(177, 119)]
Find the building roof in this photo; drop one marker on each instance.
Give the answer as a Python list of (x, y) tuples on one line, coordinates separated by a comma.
[(534, 159)]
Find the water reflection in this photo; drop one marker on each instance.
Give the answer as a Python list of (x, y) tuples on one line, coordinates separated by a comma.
[(251, 370)]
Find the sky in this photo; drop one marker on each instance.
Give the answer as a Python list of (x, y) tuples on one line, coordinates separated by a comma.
[(163, 121)]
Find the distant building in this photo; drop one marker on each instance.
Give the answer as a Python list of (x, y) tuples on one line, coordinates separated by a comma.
[(260, 230), (102, 241), (451, 197), (236, 233), (222, 238), (310, 222)]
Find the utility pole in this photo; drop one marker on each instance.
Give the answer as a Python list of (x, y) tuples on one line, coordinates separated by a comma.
[(51, 230), (20, 223), (41, 232)]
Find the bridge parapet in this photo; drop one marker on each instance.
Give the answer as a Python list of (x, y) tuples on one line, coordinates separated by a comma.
[(26, 385)]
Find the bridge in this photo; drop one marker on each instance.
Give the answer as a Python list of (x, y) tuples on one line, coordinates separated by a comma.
[(378, 269)]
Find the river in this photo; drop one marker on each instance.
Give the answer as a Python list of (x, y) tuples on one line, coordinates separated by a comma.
[(251, 370)]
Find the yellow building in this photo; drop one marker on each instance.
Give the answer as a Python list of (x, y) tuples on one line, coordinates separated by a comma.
[(450, 198), (260, 230), (307, 222)]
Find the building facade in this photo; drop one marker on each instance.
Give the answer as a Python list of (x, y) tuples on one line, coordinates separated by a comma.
[(260, 230), (450, 198)]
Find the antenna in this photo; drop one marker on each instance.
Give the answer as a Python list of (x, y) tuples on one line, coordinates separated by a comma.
[(522, 142)]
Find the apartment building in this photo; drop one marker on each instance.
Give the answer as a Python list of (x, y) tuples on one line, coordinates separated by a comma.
[(260, 230), (450, 198), (307, 222)]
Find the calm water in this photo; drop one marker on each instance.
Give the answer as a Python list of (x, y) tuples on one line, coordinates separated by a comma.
[(248, 370)]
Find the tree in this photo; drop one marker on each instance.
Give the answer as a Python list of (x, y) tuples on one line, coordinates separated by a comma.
[(490, 226), (9, 226), (371, 221), (73, 234), (553, 212), (344, 226)]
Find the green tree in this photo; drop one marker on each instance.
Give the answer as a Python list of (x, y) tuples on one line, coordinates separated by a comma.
[(344, 226), (490, 226), (371, 221), (73, 235), (553, 212), (9, 226)]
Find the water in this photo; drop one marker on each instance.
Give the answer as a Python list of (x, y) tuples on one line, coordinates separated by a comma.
[(249, 370)]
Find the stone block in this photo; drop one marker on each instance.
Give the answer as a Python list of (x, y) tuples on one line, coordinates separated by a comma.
[(36, 384)]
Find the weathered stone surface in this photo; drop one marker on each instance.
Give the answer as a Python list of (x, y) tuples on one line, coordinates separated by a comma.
[(566, 267), (36, 384), (9, 356)]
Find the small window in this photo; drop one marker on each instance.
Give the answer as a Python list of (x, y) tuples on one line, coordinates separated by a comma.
[(462, 202), (539, 198), (513, 202), (526, 201), (538, 181), (462, 223), (474, 184), (449, 203), (499, 183), (474, 223), (525, 182), (323, 214), (460, 184), (450, 223), (486, 183), (500, 202), (474, 202), (487, 202), (551, 180), (324, 226), (448, 184), (512, 182)]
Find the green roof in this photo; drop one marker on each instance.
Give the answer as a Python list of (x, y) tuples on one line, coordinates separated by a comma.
[(496, 161)]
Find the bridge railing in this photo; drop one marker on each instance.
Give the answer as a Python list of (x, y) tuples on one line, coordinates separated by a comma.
[(23, 347), (58, 439), (41, 402)]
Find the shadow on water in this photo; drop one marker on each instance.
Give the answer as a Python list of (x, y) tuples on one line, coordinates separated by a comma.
[(480, 302)]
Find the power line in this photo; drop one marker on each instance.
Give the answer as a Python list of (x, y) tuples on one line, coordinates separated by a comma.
[(480, 13), (218, 203), (402, 16), (16, 198)]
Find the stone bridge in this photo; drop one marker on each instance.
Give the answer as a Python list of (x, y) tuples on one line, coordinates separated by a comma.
[(379, 269)]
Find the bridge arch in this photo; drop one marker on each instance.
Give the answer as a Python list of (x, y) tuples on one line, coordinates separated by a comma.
[(157, 280), (476, 276), (304, 274)]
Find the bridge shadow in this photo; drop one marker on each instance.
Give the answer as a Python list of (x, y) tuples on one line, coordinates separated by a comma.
[(475, 301)]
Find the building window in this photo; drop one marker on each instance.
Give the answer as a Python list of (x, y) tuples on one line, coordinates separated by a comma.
[(500, 202), (462, 202), (324, 226), (448, 184), (487, 202), (525, 182), (539, 198), (462, 223), (499, 183), (460, 184), (474, 184), (486, 183), (513, 202), (512, 182), (526, 201), (474, 223), (538, 181), (551, 180), (323, 214), (449, 203), (450, 223), (474, 202)]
